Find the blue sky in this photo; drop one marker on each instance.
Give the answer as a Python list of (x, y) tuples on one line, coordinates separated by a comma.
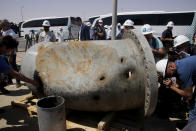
[(11, 9)]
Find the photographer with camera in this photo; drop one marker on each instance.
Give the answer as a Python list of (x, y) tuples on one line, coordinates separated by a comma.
[(99, 31)]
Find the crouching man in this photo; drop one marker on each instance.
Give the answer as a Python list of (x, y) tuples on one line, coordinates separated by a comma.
[(8, 44), (185, 71)]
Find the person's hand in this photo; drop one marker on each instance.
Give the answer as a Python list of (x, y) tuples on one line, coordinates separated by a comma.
[(153, 50), (167, 82), (100, 34)]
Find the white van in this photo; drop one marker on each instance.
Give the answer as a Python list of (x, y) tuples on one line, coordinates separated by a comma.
[(68, 24), (184, 21)]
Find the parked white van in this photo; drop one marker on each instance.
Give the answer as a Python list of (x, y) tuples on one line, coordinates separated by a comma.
[(68, 24)]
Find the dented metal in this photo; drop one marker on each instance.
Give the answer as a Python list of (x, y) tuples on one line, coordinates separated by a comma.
[(97, 75)]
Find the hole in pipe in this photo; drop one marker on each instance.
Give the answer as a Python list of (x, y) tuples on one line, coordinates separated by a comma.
[(128, 75)]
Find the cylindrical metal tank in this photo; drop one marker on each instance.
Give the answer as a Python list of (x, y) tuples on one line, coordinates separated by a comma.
[(97, 75), (51, 113)]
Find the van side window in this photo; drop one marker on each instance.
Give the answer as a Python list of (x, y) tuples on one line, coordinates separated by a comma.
[(107, 20), (33, 23), (59, 22), (177, 18), (92, 19)]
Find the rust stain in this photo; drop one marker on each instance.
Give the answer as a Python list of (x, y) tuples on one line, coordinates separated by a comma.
[(84, 45), (76, 44), (41, 48), (70, 61), (52, 45), (89, 61), (41, 61), (83, 66), (69, 87), (64, 51), (49, 75)]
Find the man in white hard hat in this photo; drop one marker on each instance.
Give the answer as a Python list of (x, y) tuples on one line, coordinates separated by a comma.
[(88, 24), (185, 71), (183, 47), (167, 36), (155, 44), (128, 24), (99, 31), (47, 35)]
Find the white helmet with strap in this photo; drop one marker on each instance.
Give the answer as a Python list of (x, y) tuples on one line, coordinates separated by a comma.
[(161, 66), (181, 39), (46, 23)]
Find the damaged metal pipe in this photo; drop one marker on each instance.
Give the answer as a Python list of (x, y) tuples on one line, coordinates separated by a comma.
[(97, 75)]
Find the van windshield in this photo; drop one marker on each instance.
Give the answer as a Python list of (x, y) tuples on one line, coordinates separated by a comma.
[(53, 22)]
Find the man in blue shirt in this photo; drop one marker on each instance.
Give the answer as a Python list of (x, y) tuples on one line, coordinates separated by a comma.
[(7, 45), (155, 44), (185, 71)]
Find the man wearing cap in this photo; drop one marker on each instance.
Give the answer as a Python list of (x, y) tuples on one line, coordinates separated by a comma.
[(155, 44), (185, 71), (90, 30), (128, 25), (99, 31), (84, 33), (183, 47), (6, 28), (167, 36), (46, 35)]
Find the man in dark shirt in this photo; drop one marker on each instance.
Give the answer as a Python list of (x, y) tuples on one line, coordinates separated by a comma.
[(167, 36), (99, 31), (84, 33)]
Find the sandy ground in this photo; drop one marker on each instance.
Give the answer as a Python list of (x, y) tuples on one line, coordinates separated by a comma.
[(15, 119)]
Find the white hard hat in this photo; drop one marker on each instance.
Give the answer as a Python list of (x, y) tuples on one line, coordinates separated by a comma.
[(180, 40), (46, 23), (118, 24), (122, 27), (128, 23), (161, 66), (88, 24), (100, 21), (147, 29), (170, 24)]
